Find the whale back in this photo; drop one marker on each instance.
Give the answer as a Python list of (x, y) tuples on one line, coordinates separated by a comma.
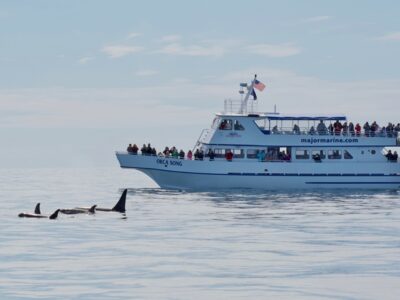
[(120, 206), (37, 209), (54, 215), (92, 210)]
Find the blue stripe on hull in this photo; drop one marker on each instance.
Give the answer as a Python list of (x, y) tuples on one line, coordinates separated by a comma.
[(276, 174), (353, 182)]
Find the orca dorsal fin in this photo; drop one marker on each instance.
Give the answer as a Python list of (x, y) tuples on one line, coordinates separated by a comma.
[(120, 206), (37, 209), (54, 215), (92, 210)]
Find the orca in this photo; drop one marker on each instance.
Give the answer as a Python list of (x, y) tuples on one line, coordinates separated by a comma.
[(74, 211), (38, 215), (119, 207), (37, 209)]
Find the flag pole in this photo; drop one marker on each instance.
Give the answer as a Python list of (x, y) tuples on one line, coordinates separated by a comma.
[(249, 92)]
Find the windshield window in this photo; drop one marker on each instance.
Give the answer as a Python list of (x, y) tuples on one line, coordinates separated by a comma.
[(226, 124)]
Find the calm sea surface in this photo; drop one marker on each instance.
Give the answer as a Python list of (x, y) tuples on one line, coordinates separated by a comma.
[(180, 245)]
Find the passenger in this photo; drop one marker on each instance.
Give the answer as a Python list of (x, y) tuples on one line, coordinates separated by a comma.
[(238, 126), (275, 154), (389, 155), (135, 149), (181, 154), (316, 157), (160, 154), (358, 129), (154, 152), (287, 157), (211, 154), (175, 153), (330, 129), (189, 155), (312, 130), (321, 128), (382, 131), (374, 128), (229, 155), (201, 155), (261, 155), (395, 156), (389, 130), (296, 129), (148, 149), (367, 129), (345, 128), (397, 128), (144, 149), (223, 125), (270, 155), (275, 130), (281, 155), (196, 154), (351, 128), (129, 149), (165, 151), (337, 127)]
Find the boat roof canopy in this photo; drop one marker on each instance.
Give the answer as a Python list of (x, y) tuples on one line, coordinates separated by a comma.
[(307, 118)]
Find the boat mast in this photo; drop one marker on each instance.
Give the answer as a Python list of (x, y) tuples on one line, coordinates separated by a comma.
[(249, 92)]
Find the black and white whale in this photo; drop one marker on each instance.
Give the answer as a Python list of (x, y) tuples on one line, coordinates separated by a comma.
[(119, 207), (37, 214), (77, 210)]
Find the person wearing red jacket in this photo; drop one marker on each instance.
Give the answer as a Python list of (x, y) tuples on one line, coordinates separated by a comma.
[(229, 155), (358, 129)]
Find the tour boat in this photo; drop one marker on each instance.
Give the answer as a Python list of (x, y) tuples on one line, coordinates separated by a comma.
[(272, 151)]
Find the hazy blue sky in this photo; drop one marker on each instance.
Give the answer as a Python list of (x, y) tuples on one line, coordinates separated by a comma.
[(80, 79)]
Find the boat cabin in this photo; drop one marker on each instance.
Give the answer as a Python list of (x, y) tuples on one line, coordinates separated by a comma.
[(278, 138)]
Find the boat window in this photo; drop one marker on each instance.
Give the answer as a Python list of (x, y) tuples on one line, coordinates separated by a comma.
[(273, 153), (226, 124), (334, 154), (219, 153), (315, 154), (252, 153), (238, 153), (237, 125), (215, 123), (347, 155), (302, 154)]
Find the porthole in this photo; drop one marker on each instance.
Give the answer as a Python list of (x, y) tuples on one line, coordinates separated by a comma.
[(373, 152)]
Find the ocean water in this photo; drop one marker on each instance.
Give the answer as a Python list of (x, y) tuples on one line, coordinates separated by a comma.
[(181, 245)]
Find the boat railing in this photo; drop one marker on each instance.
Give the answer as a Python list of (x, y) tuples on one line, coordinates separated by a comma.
[(236, 107), (203, 135), (217, 158), (205, 158), (307, 131)]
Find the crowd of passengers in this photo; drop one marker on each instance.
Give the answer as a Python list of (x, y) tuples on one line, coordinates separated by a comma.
[(350, 129), (199, 154), (270, 155)]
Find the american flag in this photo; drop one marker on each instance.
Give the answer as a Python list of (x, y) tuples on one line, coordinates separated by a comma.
[(259, 85)]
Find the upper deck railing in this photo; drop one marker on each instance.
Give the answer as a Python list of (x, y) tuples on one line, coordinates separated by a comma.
[(346, 133), (235, 107)]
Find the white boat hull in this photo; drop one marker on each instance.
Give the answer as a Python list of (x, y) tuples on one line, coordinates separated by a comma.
[(219, 174)]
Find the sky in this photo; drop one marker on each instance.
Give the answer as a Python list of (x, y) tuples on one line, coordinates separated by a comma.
[(82, 79)]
